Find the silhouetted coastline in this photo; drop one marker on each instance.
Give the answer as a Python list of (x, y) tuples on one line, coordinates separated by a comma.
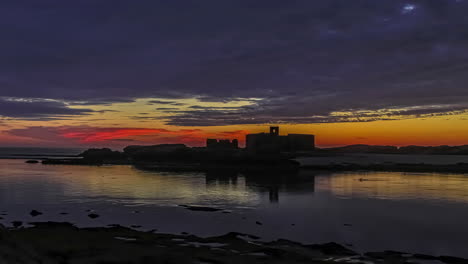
[(178, 157), (269, 152)]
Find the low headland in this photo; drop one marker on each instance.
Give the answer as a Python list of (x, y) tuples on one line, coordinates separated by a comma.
[(179, 157)]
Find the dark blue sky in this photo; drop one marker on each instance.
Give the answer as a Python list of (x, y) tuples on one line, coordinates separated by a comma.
[(303, 59)]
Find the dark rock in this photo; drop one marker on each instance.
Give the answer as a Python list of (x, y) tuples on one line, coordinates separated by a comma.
[(17, 223), (114, 225), (393, 256), (395, 252), (54, 225), (135, 226), (209, 260), (424, 256), (32, 161), (274, 252), (235, 236), (258, 223), (347, 224), (63, 213), (286, 242), (200, 208), (376, 255), (184, 233), (93, 216), (35, 213), (253, 237), (333, 249), (453, 260)]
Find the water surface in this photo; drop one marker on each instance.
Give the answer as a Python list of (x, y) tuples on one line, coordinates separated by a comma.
[(414, 212)]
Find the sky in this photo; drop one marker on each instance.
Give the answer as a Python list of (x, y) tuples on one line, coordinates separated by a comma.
[(117, 72)]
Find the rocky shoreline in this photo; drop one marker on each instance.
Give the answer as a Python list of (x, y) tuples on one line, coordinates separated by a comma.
[(53, 242)]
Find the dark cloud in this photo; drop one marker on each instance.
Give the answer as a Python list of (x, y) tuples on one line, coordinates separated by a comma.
[(123, 140), (119, 136), (167, 108), (101, 101), (106, 111), (151, 102), (38, 109), (306, 59), (213, 107), (277, 113)]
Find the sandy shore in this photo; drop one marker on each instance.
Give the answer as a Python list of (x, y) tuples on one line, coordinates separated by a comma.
[(51, 242)]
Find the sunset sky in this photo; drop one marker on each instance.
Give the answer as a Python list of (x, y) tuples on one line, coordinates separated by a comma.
[(117, 72)]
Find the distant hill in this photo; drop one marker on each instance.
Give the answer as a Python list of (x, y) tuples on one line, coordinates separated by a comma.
[(440, 150), (364, 149), (451, 150)]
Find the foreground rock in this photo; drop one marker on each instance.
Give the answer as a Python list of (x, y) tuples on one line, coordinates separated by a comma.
[(35, 213), (64, 243), (93, 216), (200, 208)]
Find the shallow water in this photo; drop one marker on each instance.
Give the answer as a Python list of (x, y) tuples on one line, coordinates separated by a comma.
[(414, 212)]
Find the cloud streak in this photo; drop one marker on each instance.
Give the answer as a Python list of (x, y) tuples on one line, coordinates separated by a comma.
[(119, 136), (38, 109)]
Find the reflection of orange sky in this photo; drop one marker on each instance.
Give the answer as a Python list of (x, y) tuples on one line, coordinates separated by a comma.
[(131, 185), (117, 128), (396, 185)]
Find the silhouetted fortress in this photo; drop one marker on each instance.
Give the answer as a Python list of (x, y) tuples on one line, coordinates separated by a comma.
[(273, 142), (222, 144)]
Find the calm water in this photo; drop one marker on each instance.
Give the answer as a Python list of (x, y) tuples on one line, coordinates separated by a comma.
[(425, 213), (26, 153)]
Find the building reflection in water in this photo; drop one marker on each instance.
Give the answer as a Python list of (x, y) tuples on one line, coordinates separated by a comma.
[(273, 183)]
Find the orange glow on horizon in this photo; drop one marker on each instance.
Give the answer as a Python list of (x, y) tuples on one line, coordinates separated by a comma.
[(115, 126), (96, 136)]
